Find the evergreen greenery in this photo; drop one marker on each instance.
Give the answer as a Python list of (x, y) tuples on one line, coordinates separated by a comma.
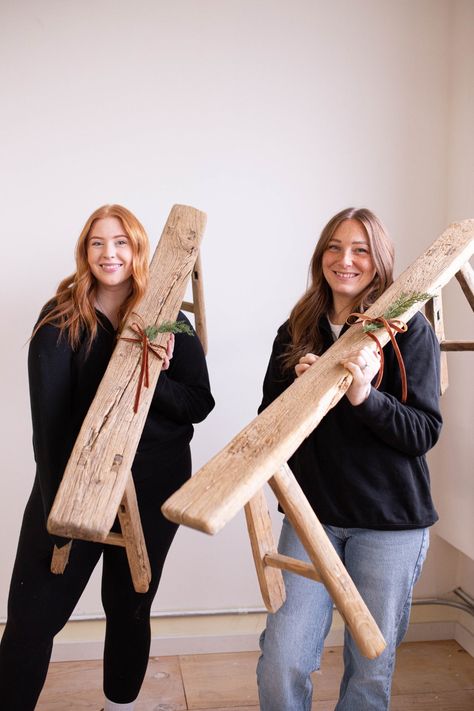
[(168, 327), (398, 308)]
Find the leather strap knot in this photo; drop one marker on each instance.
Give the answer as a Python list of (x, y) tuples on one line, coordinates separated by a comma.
[(146, 346), (392, 326)]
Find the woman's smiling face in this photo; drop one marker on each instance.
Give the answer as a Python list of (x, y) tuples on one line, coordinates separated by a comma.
[(109, 252), (347, 263)]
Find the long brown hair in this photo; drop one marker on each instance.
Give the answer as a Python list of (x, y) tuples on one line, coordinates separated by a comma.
[(305, 316), (71, 309)]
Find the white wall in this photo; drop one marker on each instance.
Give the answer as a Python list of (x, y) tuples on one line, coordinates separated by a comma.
[(453, 480), (267, 114)]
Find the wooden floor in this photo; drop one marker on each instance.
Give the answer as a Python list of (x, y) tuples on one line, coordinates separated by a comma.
[(430, 676)]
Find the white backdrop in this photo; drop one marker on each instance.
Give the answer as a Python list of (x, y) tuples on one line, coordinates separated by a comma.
[(270, 116)]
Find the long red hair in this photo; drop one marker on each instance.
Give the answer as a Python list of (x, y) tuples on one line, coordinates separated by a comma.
[(71, 309), (317, 301)]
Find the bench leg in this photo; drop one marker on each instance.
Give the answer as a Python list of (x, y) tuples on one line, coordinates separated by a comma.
[(60, 558), (327, 563), (133, 538), (260, 531)]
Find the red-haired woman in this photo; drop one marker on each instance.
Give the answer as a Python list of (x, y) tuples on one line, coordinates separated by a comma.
[(69, 352), (363, 470)]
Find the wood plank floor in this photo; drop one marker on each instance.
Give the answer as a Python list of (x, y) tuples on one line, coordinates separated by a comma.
[(430, 676)]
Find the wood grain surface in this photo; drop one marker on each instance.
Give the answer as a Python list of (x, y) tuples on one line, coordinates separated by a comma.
[(95, 478)]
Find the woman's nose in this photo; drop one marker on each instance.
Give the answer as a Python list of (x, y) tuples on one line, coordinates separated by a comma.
[(109, 250), (347, 256)]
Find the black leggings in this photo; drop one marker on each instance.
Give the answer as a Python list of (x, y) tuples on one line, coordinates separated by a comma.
[(41, 603)]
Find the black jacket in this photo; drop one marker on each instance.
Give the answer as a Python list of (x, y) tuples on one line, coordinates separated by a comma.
[(365, 466), (63, 383)]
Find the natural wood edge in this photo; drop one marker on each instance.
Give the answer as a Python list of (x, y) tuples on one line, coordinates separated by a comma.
[(58, 527)]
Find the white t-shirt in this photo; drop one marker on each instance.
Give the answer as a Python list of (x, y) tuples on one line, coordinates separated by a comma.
[(336, 329)]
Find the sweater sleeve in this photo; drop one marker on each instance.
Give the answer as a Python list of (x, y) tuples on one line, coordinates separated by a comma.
[(49, 373), (183, 392), (411, 428), (276, 380)]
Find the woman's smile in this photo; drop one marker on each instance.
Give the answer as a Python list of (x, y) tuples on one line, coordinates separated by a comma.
[(111, 268)]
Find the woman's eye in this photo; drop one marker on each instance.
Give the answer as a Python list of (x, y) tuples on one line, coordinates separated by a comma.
[(121, 242), (333, 248), (95, 243)]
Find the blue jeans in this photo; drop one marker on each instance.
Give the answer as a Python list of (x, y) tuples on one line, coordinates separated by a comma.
[(384, 566)]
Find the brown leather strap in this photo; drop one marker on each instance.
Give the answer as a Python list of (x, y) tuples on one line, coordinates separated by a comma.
[(146, 346), (392, 326)]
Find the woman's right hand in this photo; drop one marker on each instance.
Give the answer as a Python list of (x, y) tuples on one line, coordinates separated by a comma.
[(304, 363)]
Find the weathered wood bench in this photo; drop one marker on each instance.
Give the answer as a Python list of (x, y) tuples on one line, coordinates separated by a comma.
[(233, 478), (97, 484)]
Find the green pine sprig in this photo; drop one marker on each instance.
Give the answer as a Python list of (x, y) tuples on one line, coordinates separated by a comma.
[(402, 304), (168, 327)]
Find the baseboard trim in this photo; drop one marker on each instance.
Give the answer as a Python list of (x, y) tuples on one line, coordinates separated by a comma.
[(168, 645), (464, 637)]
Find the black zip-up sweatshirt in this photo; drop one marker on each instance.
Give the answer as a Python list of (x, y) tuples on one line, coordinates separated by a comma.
[(63, 383), (365, 466)]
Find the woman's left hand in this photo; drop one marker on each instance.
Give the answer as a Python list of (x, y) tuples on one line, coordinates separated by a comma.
[(169, 353), (363, 365)]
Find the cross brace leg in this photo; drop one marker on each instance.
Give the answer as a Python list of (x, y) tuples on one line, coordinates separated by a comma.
[(434, 314), (263, 544), (197, 305), (326, 564), (465, 277), (134, 540), (131, 538)]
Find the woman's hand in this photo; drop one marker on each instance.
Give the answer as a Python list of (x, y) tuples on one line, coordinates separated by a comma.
[(169, 353), (363, 365), (304, 363)]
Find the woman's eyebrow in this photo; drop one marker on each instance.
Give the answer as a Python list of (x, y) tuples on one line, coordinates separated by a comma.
[(114, 237), (356, 241)]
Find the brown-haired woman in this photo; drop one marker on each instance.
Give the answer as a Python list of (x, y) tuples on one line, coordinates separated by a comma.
[(69, 352), (363, 470)]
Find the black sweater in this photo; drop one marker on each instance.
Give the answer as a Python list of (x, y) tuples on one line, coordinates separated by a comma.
[(63, 383), (365, 466)]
